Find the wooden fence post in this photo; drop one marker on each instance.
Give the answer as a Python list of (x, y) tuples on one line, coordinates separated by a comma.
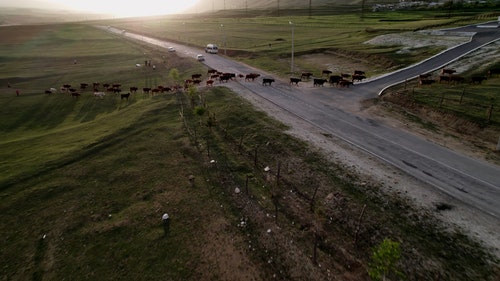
[(441, 101), (359, 225), (208, 148), (490, 111), (255, 157)]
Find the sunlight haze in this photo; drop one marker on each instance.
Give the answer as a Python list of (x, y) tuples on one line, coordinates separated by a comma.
[(118, 8)]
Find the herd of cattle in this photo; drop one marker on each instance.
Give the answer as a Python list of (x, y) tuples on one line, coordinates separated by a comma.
[(100, 90), (450, 76), (446, 75)]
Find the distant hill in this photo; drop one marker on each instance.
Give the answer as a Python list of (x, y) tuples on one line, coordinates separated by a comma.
[(17, 16), (217, 5)]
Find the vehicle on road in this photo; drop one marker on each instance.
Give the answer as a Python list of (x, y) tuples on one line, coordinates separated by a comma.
[(200, 57), (171, 49), (212, 49)]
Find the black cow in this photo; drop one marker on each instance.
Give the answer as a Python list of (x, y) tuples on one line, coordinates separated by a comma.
[(319, 82), (125, 96), (477, 79), (295, 81), (493, 71), (358, 77), (267, 81), (334, 79), (359, 72), (345, 83), (326, 72), (225, 77)]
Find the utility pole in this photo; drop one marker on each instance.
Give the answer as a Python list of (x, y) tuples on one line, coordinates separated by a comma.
[(291, 64), (310, 7)]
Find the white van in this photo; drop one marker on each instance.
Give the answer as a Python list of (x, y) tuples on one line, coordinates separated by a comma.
[(211, 49)]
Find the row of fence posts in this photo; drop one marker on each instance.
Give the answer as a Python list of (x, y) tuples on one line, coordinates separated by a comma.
[(489, 111)]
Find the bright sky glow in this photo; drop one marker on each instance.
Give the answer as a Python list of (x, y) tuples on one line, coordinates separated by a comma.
[(128, 8)]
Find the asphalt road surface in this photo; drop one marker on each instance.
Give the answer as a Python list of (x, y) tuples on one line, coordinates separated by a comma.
[(333, 110)]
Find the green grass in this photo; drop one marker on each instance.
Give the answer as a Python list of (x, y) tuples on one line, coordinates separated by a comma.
[(469, 102), (263, 41)]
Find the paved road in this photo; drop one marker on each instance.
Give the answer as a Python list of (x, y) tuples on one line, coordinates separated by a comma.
[(471, 181)]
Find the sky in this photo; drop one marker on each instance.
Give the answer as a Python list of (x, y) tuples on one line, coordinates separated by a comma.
[(118, 8)]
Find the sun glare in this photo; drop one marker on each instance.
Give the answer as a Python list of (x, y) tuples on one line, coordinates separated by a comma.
[(120, 8)]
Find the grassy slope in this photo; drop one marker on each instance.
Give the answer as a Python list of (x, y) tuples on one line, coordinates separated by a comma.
[(95, 176)]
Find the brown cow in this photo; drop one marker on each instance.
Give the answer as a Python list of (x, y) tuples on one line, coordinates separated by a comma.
[(210, 83), (426, 82), (251, 76), (457, 78), (306, 75), (424, 76), (448, 71), (444, 78)]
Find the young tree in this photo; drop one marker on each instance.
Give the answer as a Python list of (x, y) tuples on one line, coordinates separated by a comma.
[(384, 260)]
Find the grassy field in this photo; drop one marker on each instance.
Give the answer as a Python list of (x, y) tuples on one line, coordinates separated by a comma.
[(85, 180), (265, 42)]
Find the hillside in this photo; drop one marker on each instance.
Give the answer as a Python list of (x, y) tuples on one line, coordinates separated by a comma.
[(211, 5)]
